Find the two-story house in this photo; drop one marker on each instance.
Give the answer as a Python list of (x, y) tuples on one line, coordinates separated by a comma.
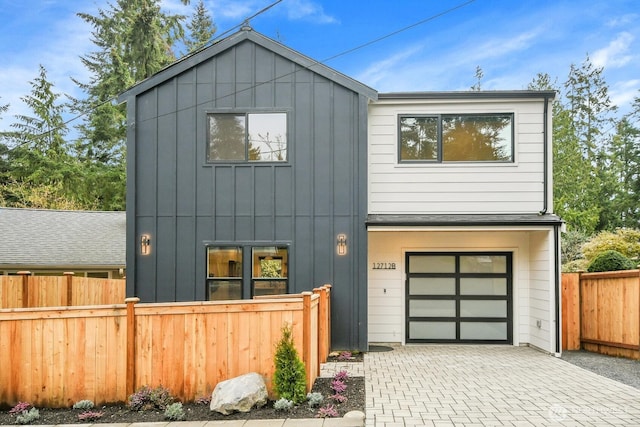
[(254, 170)]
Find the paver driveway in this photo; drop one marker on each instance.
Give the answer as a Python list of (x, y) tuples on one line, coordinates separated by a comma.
[(479, 385)]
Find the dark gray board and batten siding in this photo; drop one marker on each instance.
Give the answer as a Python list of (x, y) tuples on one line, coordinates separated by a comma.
[(185, 203)]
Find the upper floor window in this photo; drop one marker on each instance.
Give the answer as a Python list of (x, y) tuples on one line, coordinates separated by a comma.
[(255, 137), (456, 138)]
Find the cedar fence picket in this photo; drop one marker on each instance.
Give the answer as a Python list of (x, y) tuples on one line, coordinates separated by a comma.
[(56, 356)]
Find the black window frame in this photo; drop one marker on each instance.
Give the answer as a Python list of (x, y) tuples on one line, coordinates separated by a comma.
[(247, 279), (439, 143), (246, 113)]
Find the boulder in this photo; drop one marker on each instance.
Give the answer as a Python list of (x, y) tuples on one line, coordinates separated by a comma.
[(239, 394)]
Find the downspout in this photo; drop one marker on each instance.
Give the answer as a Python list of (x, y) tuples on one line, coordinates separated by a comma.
[(545, 147), (557, 287)]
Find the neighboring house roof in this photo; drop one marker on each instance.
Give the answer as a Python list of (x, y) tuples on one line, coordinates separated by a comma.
[(463, 220), (246, 33), (39, 238)]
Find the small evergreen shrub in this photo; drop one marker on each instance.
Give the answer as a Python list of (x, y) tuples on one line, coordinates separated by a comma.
[(315, 399), (283, 404), (90, 415), (290, 378), (83, 404), (610, 261), (27, 417), (175, 412), (147, 398)]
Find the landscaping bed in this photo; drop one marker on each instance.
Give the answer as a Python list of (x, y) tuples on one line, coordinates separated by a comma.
[(120, 413)]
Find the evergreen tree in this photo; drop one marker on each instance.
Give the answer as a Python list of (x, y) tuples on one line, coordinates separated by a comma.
[(39, 160), (4, 150), (622, 205), (201, 28), (134, 40), (582, 180)]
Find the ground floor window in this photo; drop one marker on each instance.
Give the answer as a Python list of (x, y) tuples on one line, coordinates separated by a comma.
[(269, 272), (240, 272), (458, 297)]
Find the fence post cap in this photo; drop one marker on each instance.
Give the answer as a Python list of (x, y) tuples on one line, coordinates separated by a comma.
[(24, 273), (69, 273), (306, 293), (133, 300)]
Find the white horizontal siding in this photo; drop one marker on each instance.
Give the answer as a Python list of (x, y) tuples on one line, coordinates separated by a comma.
[(396, 188)]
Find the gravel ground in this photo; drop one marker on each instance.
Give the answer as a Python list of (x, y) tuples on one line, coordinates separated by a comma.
[(617, 368)]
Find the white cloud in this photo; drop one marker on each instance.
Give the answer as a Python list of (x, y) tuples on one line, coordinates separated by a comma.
[(294, 10), (620, 21), (308, 10), (234, 10), (387, 69), (623, 93), (59, 53), (616, 52)]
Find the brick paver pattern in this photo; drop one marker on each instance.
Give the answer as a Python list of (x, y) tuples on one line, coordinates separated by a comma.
[(480, 385)]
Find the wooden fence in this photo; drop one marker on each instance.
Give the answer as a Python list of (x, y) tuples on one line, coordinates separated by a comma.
[(601, 312), (26, 291), (54, 357)]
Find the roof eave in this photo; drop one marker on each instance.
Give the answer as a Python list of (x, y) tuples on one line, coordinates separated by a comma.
[(469, 95), (460, 221)]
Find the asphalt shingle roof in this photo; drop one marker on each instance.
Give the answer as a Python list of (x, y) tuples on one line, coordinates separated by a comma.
[(51, 238)]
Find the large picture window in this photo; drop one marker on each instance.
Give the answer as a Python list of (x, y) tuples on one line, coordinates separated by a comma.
[(456, 138), (254, 137)]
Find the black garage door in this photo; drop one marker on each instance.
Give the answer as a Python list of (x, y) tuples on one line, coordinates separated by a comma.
[(459, 297)]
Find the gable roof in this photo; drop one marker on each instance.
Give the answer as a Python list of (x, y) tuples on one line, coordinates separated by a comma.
[(39, 238), (246, 33)]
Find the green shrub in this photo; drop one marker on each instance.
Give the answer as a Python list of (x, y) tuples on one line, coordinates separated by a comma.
[(610, 261), (290, 378), (315, 399), (283, 404), (575, 266), (624, 240), (83, 404), (27, 417), (571, 246), (175, 412)]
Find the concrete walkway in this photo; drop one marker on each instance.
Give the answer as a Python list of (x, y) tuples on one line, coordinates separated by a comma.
[(456, 385)]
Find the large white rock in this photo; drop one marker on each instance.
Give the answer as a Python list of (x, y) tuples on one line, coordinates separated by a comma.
[(239, 394)]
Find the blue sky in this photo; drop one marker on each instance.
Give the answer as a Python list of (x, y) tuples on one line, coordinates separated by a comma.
[(511, 41)]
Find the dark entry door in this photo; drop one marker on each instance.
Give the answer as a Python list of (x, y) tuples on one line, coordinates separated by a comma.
[(459, 297)]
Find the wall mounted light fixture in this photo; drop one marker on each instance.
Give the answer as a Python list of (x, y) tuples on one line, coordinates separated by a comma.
[(342, 244), (145, 244)]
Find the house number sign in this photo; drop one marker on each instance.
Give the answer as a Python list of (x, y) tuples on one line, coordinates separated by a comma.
[(384, 265)]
